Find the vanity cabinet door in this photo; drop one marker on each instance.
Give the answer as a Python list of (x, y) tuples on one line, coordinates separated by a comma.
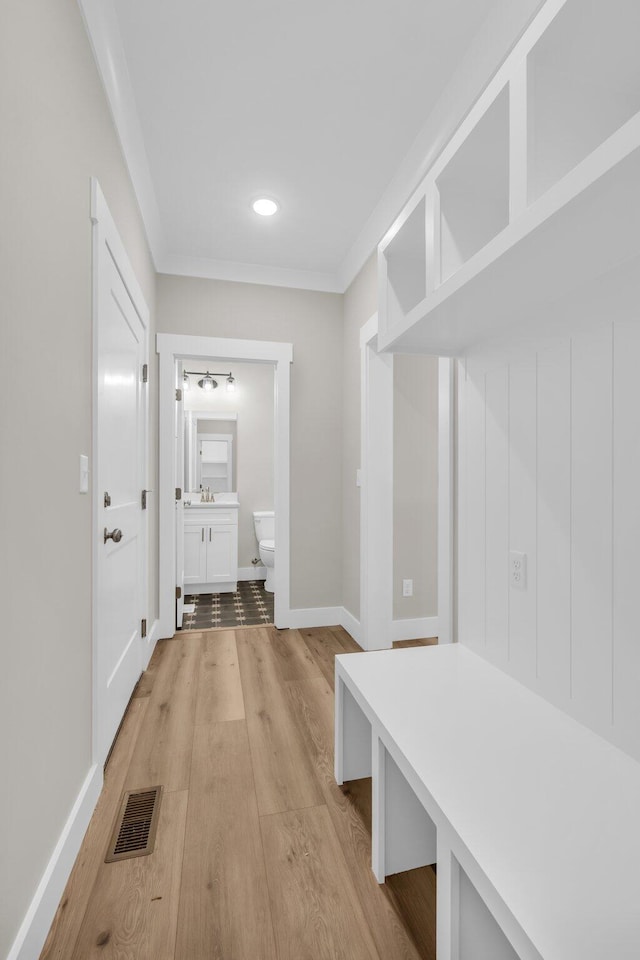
[(222, 553), (195, 552)]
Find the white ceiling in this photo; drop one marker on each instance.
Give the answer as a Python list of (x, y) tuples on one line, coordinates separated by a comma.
[(315, 104)]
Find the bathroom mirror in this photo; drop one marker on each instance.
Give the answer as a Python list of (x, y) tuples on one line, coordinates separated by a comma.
[(210, 451)]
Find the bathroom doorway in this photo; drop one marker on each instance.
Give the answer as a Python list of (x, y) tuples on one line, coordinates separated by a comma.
[(227, 480), (221, 359)]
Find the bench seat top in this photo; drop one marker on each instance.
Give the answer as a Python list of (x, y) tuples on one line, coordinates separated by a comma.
[(549, 810)]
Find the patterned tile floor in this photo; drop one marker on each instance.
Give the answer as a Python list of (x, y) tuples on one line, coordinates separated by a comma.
[(249, 606)]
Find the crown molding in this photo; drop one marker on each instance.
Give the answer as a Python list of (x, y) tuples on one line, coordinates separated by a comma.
[(101, 24), (248, 273), (500, 31)]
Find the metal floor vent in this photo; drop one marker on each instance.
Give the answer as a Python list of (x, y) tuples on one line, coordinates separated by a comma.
[(134, 832)]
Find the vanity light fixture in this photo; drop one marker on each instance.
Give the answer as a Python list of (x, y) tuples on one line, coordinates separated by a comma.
[(207, 382), (265, 207)]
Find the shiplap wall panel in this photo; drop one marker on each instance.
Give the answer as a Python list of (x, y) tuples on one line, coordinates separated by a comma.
[(551, 454), (497, 512), (591, 526), (522, 513), (626, 517), (554, 523)]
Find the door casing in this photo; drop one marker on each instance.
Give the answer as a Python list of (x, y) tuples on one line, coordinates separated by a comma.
[(175, 347)]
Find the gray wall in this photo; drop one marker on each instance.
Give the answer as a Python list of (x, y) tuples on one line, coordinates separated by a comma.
[(253, 401), (56, 133), (313, 323), (360, 303), (415, 485)]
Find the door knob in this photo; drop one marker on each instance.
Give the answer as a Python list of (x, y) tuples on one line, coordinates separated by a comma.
[(115, 535)]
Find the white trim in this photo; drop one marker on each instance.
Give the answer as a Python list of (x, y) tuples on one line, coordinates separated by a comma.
[(173, 347), (105, 234), (376, 491), (102, 28), (349, 623), (150, 642), (446, 498), (212, 416), (315, 617), (252, 573), (39, 916), (249, 273), (418, 629)]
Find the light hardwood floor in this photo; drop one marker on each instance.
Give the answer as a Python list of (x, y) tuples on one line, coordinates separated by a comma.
[(259, 854)]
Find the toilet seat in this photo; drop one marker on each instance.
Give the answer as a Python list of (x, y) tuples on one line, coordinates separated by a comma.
[(268, 544)]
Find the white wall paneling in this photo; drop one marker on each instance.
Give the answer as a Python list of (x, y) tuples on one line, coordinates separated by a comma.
[(549, 467)]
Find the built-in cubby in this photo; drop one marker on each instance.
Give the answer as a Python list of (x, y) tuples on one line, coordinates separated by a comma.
[(583, 83), (405, 264), (536, 193), (474, 189), (479, 936)]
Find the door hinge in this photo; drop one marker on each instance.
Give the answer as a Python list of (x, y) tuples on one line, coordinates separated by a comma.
[(143, 500), (178, 394), (145, 372), (107, 499), (178, 493), (178, 593), (143, 628)]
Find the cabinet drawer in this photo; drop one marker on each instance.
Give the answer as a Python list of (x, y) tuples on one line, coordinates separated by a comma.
[(204, 516)]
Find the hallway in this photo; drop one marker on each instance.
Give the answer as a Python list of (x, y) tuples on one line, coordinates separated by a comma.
[(259, 854)]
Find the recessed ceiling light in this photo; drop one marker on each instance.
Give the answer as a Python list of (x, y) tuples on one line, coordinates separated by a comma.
[(265, 207)]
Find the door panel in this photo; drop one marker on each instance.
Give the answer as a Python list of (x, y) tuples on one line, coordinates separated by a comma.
[(194, 553), (119, 472), (221, 550)]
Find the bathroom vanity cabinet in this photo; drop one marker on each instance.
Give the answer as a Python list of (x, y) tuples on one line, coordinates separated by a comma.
[(211, 548)]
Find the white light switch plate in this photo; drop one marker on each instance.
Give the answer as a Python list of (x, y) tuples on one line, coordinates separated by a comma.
[(84, 473)]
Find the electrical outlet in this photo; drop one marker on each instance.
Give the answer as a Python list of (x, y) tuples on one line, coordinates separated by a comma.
[(518, 570), (407, 588)]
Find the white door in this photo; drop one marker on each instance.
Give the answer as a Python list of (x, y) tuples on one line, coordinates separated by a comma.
[(179, 433), (120, 444)]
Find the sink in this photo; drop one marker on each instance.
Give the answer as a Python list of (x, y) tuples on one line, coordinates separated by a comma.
[(193, 501)]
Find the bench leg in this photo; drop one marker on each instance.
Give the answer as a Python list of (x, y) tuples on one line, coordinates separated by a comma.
[(448, 903), (352, 756), (403, 834)]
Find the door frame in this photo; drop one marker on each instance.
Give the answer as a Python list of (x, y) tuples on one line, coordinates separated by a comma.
[(376, 494), (174, 347), (376, 490), (106, 241)]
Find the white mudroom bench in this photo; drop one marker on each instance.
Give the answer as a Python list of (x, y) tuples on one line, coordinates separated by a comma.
[(532, 819)]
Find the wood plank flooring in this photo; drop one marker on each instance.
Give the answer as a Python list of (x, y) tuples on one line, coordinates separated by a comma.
[(259, 854)]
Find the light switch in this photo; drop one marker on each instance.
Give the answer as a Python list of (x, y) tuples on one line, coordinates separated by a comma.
[(84, 473)]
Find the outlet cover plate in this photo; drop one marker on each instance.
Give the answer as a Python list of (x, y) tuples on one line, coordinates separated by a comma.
[(518, 570)]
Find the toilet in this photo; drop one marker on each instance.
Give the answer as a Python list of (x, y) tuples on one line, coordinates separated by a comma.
[(264, 524)]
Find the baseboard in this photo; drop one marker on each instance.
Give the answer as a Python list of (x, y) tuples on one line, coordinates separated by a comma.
[(252, 573), (151, 640), (414, 629), (350, 624), (314, 617), (39, 917)]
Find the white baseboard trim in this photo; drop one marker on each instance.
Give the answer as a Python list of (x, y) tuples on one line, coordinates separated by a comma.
[(350, 624), (151, 640), (39, 917), (414, 629), (314, 617), (252, 573)]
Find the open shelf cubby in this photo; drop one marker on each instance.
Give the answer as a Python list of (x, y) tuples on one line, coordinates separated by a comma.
[(583, 84), (405, 257), (474, 189), (480, 937)]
